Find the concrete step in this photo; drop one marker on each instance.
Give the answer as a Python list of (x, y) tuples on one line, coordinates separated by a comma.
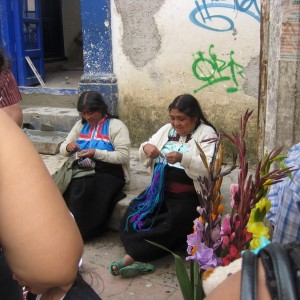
[(53, 97), (56, 118), (47, 141)]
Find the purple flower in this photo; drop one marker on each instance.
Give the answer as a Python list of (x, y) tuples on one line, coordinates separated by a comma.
[(193, 240), (205, 257)]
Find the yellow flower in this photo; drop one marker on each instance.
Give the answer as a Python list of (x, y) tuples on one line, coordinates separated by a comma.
[(258, 230), (259, 212), (255, 243), (263, 203), (267, 183)]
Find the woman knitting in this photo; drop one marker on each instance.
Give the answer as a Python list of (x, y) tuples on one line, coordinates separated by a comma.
[(93, 178), (164, 213)]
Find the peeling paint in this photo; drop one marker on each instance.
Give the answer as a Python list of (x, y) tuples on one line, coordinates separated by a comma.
[(251, 83), (141, 39), (49, 91)]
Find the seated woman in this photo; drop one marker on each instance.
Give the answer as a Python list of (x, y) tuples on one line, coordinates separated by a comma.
[(99, 145), (167, 220)]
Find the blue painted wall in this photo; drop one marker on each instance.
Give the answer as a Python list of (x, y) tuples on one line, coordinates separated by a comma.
[(97, 51)]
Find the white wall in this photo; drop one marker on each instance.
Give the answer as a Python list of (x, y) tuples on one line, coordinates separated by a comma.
[(155, 44)]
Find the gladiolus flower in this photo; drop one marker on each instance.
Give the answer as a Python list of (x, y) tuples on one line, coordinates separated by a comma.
[(267, 183), (263, 204), (205, 257), (259, 230), (226, 227), (220, 208)]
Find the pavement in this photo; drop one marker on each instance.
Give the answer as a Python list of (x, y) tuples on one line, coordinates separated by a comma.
[(100, 252)]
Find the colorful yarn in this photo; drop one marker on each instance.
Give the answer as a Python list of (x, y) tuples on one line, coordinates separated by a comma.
[(153, 198)]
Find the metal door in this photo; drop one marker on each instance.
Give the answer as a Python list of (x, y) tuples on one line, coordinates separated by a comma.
[(28, 37)]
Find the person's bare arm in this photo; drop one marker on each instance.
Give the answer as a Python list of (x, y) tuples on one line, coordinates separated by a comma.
[(15, 112), (39, 237), (230, 288)]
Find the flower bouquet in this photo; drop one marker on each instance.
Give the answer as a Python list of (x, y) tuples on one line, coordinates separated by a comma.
[(217, 238)]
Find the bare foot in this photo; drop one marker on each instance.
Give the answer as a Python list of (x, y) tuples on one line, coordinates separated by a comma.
[(124, 262)]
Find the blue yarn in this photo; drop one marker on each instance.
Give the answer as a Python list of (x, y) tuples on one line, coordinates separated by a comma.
[(153, 198)]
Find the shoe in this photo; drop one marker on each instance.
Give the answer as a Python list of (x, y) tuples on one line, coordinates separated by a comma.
[(135, 269), (119, 265)]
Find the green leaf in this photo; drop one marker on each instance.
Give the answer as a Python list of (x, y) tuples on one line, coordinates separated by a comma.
[(280, 157), (198, 287), (182, 274), (284, 166)]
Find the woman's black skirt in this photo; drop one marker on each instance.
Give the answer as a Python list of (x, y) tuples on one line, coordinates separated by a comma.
[(171, 225), (91, 199)]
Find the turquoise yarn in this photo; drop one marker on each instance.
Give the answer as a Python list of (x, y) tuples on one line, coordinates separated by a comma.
[(153, 198)]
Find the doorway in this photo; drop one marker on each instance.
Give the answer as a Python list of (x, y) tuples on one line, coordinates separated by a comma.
[(52, 30), (62, 42)]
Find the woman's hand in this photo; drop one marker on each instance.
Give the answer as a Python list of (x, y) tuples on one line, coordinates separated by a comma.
[(152, 151), (86, 153), (174, 157), (72, 147)]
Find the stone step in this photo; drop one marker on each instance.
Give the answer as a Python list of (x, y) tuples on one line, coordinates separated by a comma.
[(53, 97), (47, 141), (56, 118)]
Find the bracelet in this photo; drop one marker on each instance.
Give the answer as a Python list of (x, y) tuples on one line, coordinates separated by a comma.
[(293, 252), (249, 276), (275, 259)]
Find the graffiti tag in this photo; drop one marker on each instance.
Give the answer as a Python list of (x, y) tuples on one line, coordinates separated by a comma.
[(213, 70), (206, 16)]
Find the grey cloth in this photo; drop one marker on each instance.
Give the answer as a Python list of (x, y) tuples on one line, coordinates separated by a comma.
[(69, 170)]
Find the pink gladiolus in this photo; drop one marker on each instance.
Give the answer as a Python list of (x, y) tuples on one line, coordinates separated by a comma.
[(225, 241), (226, 227)]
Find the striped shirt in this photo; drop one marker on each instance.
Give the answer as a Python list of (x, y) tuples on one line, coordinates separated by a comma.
[(285, 199), (9, 90)]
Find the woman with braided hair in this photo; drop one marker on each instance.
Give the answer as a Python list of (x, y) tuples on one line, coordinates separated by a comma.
[(164, 213)]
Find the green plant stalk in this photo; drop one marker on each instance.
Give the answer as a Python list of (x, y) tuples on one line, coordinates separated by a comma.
[(198, 287), (185, 284)]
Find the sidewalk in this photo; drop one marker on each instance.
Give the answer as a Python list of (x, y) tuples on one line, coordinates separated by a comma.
[(98, 254)]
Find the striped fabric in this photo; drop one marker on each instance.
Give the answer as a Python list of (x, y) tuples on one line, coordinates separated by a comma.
[(285, 199), (9, 91)]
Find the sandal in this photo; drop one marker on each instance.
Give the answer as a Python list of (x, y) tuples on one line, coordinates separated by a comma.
[(135, 269), (119, 265)]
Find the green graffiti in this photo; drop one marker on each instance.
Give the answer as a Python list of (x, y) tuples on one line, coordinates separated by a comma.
[(213, 70)]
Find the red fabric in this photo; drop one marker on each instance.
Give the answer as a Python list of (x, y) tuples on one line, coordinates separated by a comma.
[(176, 187), (9, 90)]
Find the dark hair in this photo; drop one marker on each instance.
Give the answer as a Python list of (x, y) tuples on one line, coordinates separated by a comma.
[(93, 101), (189, 105), (3, 60)]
